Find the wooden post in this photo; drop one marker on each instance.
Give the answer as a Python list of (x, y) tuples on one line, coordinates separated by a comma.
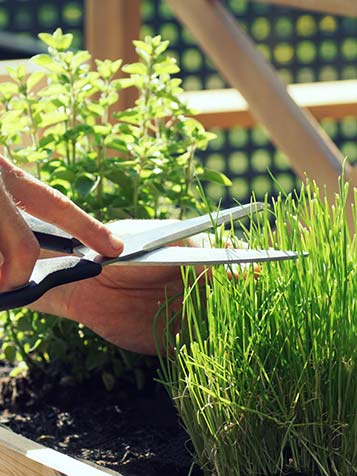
[(294, 131), (335, 7), (110, 28)]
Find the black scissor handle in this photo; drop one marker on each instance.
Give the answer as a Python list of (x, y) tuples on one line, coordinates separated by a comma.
[(50, 237), (47, 274)]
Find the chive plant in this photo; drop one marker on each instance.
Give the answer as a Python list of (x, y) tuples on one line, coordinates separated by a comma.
[(263, 370)]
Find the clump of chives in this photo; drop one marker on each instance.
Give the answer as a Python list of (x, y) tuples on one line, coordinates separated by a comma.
[(263, 371)]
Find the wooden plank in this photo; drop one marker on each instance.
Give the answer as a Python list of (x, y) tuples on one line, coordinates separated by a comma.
[(227, 107), (20, 456), (335, 7), (110, 28), (310, 151)]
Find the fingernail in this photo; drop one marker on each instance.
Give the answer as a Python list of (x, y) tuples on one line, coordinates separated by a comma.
[(116, 243)]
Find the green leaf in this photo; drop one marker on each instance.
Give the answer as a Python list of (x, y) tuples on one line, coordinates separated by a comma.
[(168, 66), (102, 130), (108, 68), (24, 323), (53, 118), (46, 61), (155, 40), (19, 370), (96, 108), (115, 66), (95, 359), (9, 352), (42, 59), (135, 68), (108, 380), (104, 68), (34, 79), (63, 173), (119, 177), (8, 89), (109, 99), (21, 72), (57, 348), (37, 343), (215, 177), (62, 185), (46, 140), (85, 183), (128, 115), (142, 45), (116, 144), (54, 90), (48, 39), (58, 40), (36, 155), (79, 58), (162, 47)]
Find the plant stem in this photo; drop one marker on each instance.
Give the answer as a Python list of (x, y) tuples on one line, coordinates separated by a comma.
[(188, 177), (31, 363)]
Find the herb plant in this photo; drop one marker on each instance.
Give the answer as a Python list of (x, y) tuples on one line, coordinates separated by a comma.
[(263, 372), (136, 163)]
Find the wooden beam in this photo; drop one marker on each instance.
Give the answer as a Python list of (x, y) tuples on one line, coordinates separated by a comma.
[(20, 456), (227, 108), (110, 28), (334, 7), (310, 151)]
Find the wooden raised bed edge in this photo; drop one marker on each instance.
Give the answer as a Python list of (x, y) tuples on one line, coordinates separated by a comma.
[(20, 456)]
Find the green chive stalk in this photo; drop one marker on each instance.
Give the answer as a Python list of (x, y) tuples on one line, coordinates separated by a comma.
[(263, 370)]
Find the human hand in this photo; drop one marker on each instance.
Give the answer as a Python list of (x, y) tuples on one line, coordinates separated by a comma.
[(19, 249), (120, 304)]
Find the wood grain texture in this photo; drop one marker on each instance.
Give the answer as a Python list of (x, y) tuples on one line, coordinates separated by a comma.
[(20, 456), (227, 108), (110, 28)]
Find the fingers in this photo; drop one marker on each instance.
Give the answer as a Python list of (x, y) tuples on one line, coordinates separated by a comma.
[(18, 247), (50, 205)]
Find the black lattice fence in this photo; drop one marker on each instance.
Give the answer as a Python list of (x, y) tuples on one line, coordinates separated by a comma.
[(302, 46), (22, 20)]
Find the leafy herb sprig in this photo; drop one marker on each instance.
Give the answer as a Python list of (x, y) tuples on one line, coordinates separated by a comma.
[(137, 163)]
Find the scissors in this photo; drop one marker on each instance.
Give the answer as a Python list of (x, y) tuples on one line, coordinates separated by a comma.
[(145, 248)]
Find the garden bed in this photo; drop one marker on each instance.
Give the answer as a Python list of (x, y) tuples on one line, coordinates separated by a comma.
[(133, 433)]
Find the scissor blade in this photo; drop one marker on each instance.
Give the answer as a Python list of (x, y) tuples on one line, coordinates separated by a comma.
[(179, 256), (169, 233)]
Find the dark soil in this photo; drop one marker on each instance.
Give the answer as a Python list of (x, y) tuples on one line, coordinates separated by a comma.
[(134, 433)]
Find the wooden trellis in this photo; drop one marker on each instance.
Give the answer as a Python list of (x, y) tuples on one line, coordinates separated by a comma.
[(310, 151)]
